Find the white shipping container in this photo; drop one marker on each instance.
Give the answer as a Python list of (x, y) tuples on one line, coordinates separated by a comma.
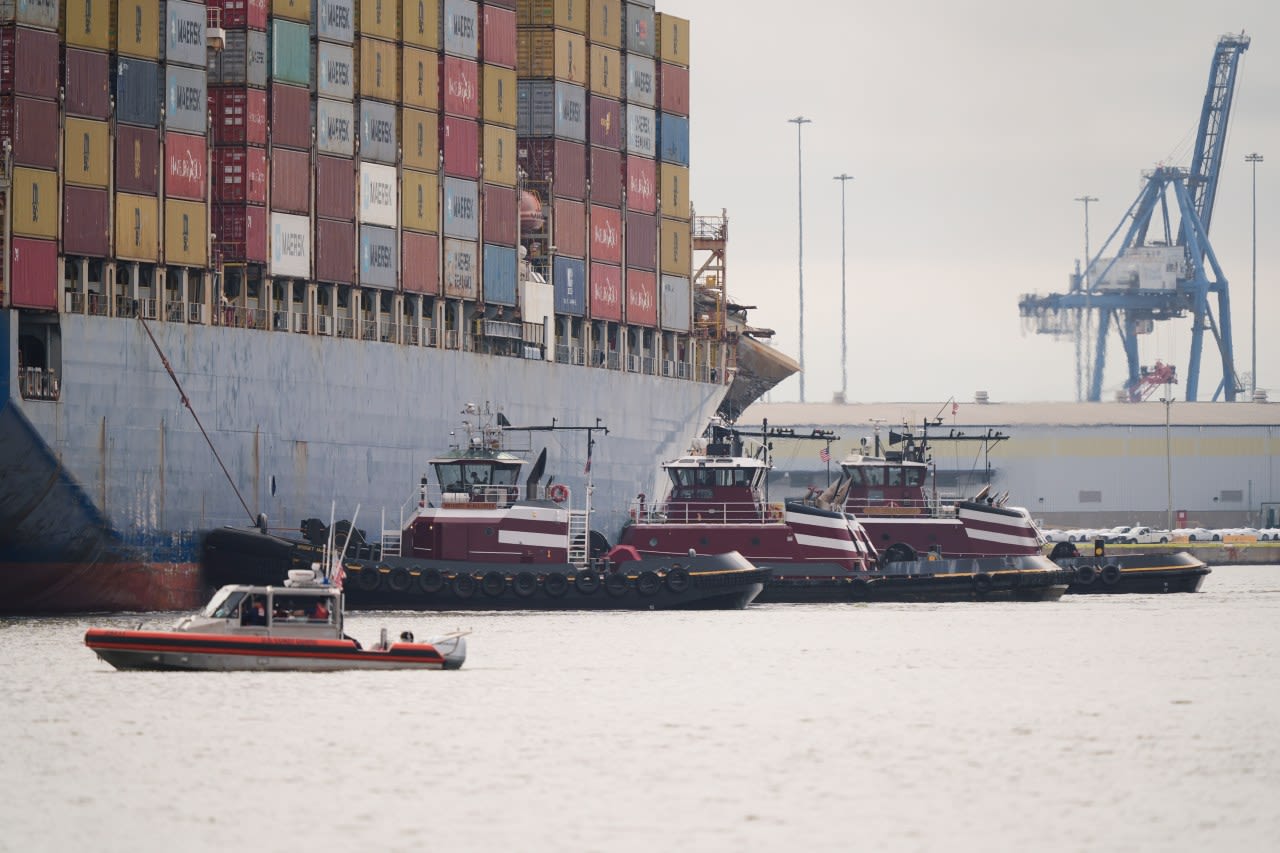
[(460, 269), (642, 86), (460, 27), (335, 127), (334, 20), (379, 201), (674, 305), (290, 245), (641, 131)]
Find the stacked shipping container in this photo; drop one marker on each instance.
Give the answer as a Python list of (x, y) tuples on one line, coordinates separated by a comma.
[(420, 147), (675, 240), (333, 30)]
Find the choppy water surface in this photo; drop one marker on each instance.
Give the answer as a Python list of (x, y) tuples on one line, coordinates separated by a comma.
[(1093, 723)]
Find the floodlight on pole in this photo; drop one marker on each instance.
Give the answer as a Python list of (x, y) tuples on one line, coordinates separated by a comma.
[(1254, 159), (800, 122), (844, 312)]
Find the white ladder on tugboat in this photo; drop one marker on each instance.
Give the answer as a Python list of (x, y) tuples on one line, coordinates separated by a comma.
[(579, 541), (390, 539)]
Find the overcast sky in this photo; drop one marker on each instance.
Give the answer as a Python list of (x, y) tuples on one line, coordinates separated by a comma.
[(970, 128)]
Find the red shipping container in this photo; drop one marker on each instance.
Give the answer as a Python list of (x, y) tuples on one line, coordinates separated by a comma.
[(604, 122), (34, 270), (137, 160), (460, 140), (185, 166), (569, 221), (31, 127), (85, 218), (606, 176), (498, 36), (240, 233), (460, 79), (335, 187), (606, 292), (642, 298), (88, 91), (606, 234), (335, 249), (240, 175), (501, 216), (642, 185), (673, 89), (28, 62), (420, 262), (239, 116), (563, 161), (642, 241), (290, 181), (239, 14), (290, 116)]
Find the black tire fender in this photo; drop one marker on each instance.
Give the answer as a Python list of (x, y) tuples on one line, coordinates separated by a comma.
[(615, 583), (464, 586), (1111, 574), (493, 584), (555, 584), (369, 579), (678, 580), (1085, 575), (399, 579), (982, 583), (587, 582), (648, 582), (431, 581), (525, 584)]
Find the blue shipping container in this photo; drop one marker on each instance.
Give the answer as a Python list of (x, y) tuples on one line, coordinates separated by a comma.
[(378, 137), (500, 275), (378, 256), (673, 139), (569, 277), (186, 99), (137, 91), (461, 208)]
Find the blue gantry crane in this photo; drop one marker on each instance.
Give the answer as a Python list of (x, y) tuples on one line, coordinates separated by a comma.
[(1153, 272)]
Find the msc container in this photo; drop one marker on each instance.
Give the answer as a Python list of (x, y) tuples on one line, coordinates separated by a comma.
[(185, 170), (675, 304), (551, 108), (642, 241), (641, 131), (559, 54), (88, 83), (34, 273), (335, 127), (642, 86), (379, 70), (604, 22), (184, 42), (137, 160), (498, 36), (673, 139), (641, 298), (676, 247), (461, 209), (186, 99), (605, 71), (290, 181), (606, 234), (638, 23), (30, 126), (239, 116), (672, 42), (334, 20), (420, 78), (335, 251), (560, 161), (137, 231), (290, 52), (498, 102), (138, 30), (186, 233), (604, 122), (420, 140), (420, 261), (240, 232), (420, 23), (243, 61), (378, 137), (379, 204), (336, 188), (606, 176), (294, 10), (460, 269), (564, 14), (459, 26), (419, 202), (334, 71), (569, 278), (642, 185), (137, 84), (28, 62), (290, 116), (501, 216), (290, 245), (606, 292), (500, 275), (378, 256), (673, 89), (378, 18), (86, 23), (569, 223), (238, 14), (461, 86), (86, 212), (499, 163), (460, 143), (674, 191), (240, 175)]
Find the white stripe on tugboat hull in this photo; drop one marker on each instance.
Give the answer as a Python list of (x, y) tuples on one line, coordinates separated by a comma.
[(843, 545), (835, 522), (537, 540), (1001, 538)]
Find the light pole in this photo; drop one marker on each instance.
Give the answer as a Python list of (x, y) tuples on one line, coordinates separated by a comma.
[(1168, 465), (800, 122), (844, 315), (1082, 338), (1254, 158)]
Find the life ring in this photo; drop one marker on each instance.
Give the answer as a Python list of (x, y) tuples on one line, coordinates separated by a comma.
[(1085, 575), (555, 585), (1111, 574), (558, 492), (431, 581), (369, 578), (648, 583), (464, 586), (615, 583), (982, 583), (678, 580), (587, 582), (493, 584), (525, 584)]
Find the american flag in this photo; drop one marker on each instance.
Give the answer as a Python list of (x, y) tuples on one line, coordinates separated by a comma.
[(825, 454)]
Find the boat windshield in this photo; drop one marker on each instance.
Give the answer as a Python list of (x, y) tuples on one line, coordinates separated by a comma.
[(225, 603), (458, 476), (713, 476)]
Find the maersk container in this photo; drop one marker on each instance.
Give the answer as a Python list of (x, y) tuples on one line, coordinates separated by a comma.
[(674, 304), (642, 86), (569, 278), (88, 83), (138, 28), (420, 23), (137, 231), (378, 256), (461, 266), (335, 127), (461, 78), (563, 14), (241, 232), (604, 122), (240, 174), (499, 163), (186, 234), (30, 125), (420, 261), (85, 218), (290, 116), (498, 90), (499, 275), (86, 23), (237, 14), (185, 171), (379, 203), (605, 77), (642, 241), (460, 143), (28, 62), (239, 116), (641, 298), (335, 251), (34, 273), (461, 209), (641, 131), (379, 66), (674, 183), (336, 188), (335, 21), (498, 36), (137, 160), (420, 78), (604, 22), (569, 224), (419, 201), (459, 23), (290, 52), (31, 13), (501, 224), (672, 43), (638, 23), (606, 176), (675, 247), (290, 245), (551, 108), (549, 53), (290, 181), (606, 292), (184, 42), (186, 99), (334, 71), (243, 61), (673, 139), (378, 137), (606, 234), (642, 185), (378, 18), (294, 10), (420, 140), (673, 89), (137, 84), (560, 161)]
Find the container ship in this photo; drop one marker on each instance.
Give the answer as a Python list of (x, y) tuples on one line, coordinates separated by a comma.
[(259, 254)]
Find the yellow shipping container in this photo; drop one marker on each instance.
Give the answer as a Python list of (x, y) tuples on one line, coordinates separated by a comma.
[(552, 53), (604, 22), (86, 152), (673, 191), (137, 227), (673, 39), (379, 18), (498, 96), (675, 247), (419, 201), (420, 139), (379, 70), (35, 203), (565, 14), (293, 10), (421, 23), (420, 79), (138, 28), (186, 233), (87, 23), (500, 155), (606, 71)]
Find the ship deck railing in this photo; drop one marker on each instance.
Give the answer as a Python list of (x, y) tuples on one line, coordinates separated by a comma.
[(37, 383), (907, 507), (708, 512)]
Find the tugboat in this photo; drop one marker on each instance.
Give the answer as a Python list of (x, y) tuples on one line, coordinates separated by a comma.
[(816, 552), (477, 539)]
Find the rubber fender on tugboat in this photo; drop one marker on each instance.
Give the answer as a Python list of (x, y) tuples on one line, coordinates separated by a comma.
[(555, 584), (615, 583), (399, 579), (1110, 574), (648, 583), (525, 584), (464, 585), (678, 579), (493, 584), (587, 581), (1085, 575), (860, 588), (431, 581), (982, 583), (369, 578)]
